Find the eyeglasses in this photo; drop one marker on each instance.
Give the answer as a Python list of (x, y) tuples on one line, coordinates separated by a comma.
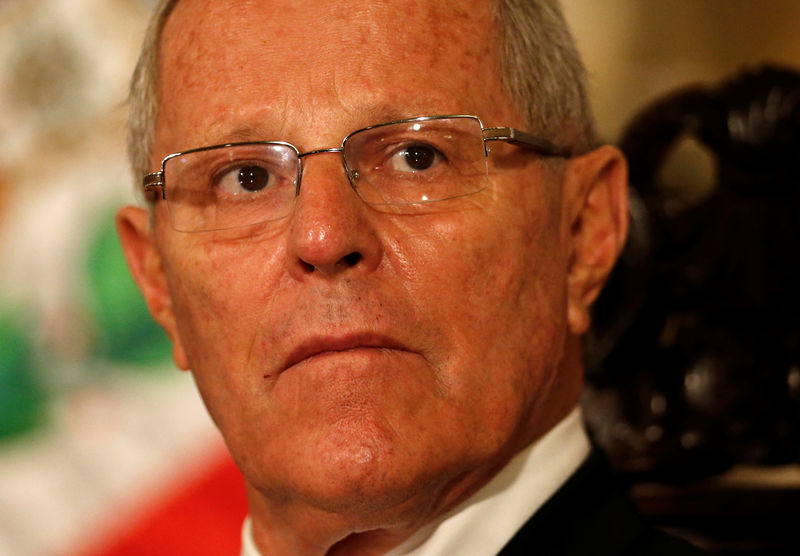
[(400, 166)]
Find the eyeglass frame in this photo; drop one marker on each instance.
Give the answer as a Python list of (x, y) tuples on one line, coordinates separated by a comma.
[(152, 181), (534, 143)]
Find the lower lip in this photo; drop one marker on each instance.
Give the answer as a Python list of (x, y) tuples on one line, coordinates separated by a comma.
[(354, 354)]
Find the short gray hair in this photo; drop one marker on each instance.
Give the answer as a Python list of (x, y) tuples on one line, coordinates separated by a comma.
[(540, 70), (143, 94)]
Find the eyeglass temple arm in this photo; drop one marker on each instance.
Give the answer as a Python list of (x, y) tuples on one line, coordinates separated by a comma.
[(526, 140), (153, 182)]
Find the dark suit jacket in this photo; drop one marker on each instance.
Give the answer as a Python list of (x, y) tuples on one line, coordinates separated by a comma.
[(590, 515)]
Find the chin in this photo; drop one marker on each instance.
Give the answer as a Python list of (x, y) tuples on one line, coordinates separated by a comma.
[(359, 463), (356, 469)]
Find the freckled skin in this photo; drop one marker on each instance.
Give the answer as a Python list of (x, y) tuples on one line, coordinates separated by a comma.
[(352, 451)]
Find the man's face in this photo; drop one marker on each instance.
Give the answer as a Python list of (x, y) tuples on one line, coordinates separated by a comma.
[(351, 355)]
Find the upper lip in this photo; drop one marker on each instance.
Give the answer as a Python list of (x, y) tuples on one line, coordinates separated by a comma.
[(321, 344)]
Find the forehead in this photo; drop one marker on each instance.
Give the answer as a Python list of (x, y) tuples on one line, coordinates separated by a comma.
[(331, 65)]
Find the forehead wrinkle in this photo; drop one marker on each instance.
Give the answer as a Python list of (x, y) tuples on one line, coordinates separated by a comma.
[(258, 129)]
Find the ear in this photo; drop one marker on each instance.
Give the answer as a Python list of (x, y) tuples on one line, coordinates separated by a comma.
[(596, 205), (144, 259)]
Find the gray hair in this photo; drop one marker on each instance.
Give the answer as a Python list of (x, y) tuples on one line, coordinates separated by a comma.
[(540, 70), (143, 95)]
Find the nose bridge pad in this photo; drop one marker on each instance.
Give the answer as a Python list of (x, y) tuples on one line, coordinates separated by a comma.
[(351, 175)]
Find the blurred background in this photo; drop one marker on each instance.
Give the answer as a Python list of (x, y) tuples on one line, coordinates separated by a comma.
[(97, 427)]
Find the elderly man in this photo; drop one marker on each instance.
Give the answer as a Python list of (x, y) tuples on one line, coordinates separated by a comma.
[(384, 327)]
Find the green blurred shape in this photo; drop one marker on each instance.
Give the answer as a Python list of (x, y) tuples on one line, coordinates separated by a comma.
[(22, 397), (125, 331)]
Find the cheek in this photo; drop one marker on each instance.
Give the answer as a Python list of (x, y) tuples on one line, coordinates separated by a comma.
[(208, 289), (495, 292), (499, 303), (222, 301)]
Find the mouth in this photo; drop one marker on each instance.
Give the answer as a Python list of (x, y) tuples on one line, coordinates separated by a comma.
[(321, 345)]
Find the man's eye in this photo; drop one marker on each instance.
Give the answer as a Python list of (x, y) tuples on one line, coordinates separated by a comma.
[(415, 158), (245, 179)]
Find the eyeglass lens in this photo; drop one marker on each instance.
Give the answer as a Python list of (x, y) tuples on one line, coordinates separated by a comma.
[(399, 166)]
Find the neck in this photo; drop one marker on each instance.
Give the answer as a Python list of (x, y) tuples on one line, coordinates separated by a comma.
[(308, 531)]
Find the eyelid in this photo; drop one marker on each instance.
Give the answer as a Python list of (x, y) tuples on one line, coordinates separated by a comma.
[(388, 150), (409, 146)]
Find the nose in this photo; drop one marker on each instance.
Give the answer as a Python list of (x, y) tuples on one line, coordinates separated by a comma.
[(332, 231)]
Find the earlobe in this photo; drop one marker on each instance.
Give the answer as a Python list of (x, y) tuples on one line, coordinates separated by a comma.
[(144, 260), (596, 212)]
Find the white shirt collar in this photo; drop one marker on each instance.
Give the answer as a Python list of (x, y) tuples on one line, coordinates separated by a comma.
[(485, 522)]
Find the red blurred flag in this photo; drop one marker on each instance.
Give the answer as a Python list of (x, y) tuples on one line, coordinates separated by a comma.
[(201, 517)]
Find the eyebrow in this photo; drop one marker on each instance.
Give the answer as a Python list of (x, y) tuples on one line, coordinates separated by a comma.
[(243, 133), (224, 133)]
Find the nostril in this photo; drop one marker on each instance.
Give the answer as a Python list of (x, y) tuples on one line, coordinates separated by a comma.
[(348, 261), (352, 259), (307, 267)]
